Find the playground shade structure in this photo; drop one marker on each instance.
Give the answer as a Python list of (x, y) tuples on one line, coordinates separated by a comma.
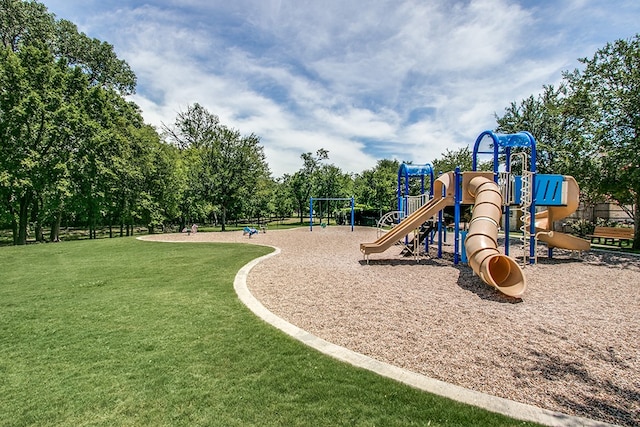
[(494, 268)]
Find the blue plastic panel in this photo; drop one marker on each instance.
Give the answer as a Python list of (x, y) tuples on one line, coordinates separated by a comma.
[(549, 190), (415, 170), (519, 139)]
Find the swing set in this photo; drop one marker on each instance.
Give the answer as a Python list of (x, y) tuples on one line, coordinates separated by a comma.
[(327, 200)]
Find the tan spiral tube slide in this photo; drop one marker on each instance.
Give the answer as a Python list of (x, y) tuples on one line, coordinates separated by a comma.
[(481, 244)]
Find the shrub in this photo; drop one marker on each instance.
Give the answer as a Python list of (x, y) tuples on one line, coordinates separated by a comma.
[(582, 227)]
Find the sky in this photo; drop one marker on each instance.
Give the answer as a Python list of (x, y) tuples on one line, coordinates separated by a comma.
[(364, 79)]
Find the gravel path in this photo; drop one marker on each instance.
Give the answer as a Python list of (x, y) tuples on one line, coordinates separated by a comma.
[(571, 344)]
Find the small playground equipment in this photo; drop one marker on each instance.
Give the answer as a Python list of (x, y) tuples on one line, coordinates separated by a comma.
[(250, 231), (192, 230), (491, 194), (327, 200)]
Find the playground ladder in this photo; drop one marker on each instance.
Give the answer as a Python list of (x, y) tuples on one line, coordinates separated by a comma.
[(526, 198), (507, 189)]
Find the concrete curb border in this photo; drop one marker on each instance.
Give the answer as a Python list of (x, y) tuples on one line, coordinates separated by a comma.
[(500, 405)]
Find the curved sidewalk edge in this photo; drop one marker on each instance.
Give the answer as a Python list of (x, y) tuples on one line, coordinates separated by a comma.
[(500, 405)]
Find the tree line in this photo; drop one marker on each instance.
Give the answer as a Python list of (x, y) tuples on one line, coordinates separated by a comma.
[(589, 126), (73, 150)]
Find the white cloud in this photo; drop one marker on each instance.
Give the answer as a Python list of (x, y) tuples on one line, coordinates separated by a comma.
[(346, 76)]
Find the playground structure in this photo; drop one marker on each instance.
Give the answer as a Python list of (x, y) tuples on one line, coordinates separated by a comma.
[(492, 194), (407, 204), (329, 199)]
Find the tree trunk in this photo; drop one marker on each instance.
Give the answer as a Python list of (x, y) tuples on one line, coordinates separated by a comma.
[(636, 223), (23, 219), (14, 223), (54, 234), (92, 220), (224, 218), (300, 206), (14, 229), (35, 213)]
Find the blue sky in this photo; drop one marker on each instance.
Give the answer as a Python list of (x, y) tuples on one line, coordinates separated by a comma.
[(365, 80)]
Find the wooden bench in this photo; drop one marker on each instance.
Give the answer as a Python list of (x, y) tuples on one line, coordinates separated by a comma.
[(611, 234)]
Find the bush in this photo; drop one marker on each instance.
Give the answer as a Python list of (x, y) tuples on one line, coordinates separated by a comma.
[(602, 222), (582, 227)]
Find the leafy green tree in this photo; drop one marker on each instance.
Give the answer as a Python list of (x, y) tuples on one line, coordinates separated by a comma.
[(604, 104), (303, 181), (163, 181), (450, 159), (589, 127), (282, 201), (68, 124), (257, 203), (192, 131), (33, 87), (195, 128), (95, 58), (377, 187), (543, 117), (224, 167), (55, 83), (24, 23), (560, 149), (233, 168), (331, 182)]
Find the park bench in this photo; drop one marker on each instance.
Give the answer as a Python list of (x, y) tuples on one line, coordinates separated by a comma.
[(612, 234)]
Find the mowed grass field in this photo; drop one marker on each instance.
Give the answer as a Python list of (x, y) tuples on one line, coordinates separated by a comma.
[(119, 332)]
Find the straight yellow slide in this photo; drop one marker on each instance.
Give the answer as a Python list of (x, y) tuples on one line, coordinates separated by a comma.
[(416, 219), (406, 226)]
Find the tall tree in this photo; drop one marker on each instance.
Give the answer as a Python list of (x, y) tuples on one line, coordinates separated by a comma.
[(195, 128), (451, 159), (52, 78), (33, 87), (590, 126), (225, 166), (604, 101), (94, 57), (331, 182), (282, 201), (233, 167), (303, 180), (192, 131), (23, 23), (543, 117), (377, 187)]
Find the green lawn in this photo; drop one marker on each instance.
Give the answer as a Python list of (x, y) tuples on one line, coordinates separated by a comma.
[(124, 332)]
